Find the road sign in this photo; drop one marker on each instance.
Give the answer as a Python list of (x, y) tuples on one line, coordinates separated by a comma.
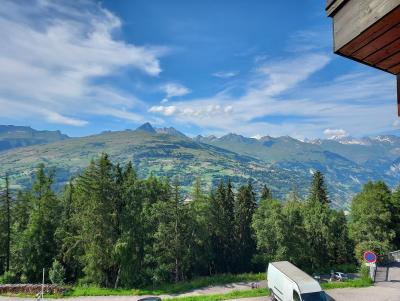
[(370, 257)]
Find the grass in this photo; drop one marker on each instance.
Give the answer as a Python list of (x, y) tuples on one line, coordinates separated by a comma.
[(259, 292), (166, 289), (198, 283), (349, 283)]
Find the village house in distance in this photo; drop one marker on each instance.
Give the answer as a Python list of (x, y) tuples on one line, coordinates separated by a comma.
[(368, 31)]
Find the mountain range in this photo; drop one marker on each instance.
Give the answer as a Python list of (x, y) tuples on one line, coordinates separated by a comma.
[(283, 163)]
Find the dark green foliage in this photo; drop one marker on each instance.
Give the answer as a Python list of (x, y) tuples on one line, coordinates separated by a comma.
[(395, 213), (222, 221), (266, 193), (318, 190), (371, 219), (309, 234), (5, 228), (37, 245), (112, 228), (57, 273), (245, 206)]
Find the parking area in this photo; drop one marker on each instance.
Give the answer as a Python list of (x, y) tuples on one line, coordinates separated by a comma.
[(374, 293)]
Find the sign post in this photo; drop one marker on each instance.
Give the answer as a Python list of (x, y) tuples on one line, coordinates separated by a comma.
[(370, 261)]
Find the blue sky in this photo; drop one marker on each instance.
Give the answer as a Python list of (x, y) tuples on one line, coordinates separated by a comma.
[(205, 67)]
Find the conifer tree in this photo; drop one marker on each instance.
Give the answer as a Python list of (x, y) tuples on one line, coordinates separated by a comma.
[(200, 209), (318, 190), (97, 221), (317, 222), (5, 226), (172, 244), (266, 193), (222, 223), (38, 245), (245, 206)]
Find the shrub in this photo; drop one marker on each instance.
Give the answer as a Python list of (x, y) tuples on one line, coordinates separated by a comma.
[(364, 272), (57, 273), (8, 278)]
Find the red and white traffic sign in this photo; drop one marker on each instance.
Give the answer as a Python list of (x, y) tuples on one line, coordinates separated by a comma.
[(369, 257)]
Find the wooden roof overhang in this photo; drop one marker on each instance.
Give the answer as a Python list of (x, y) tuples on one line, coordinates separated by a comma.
[(368, 31)]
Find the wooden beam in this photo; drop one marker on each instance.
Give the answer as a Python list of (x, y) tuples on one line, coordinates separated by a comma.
[(357, 16), (332, 6), (379, 43), (384, 53), (398, 95), (390, 61), (395, 69)]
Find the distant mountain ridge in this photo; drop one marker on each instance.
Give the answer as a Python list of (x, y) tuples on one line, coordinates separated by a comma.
[(283, 163), (19, 136)]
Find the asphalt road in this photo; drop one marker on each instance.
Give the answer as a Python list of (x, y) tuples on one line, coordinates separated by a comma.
[(374, 293)]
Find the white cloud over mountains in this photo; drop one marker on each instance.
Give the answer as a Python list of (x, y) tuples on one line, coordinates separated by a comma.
[(54, 55), (53, 51), (281, 99), (335, 133)]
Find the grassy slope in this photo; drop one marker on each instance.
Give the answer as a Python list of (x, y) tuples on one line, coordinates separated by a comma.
[(165, 155)]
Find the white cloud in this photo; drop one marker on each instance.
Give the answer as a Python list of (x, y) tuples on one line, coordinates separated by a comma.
[(52, 51), (281, 90), (174, 89), (204, 112), (57, 118), (164, 110), (335, 133), (226, 74)]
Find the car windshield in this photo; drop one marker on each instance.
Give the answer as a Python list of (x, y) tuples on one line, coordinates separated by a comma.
[(317, 296)]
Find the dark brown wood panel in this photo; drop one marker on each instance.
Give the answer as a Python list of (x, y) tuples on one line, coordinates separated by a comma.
[(376, 30), (390, 61), (379, 43), (380, 55), (398, 95), (395, 69)]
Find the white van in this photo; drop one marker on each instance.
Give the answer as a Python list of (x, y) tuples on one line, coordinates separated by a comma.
[(286, 282)]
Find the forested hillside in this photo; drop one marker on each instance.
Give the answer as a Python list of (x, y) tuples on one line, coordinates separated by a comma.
[(284, 163), (111, 228)]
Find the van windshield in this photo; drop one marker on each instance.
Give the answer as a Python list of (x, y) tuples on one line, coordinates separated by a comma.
[(317, 296)]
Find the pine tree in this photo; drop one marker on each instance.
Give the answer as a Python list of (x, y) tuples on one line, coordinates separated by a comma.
[(97, 221), (266, 193), (172, 244), (317, 226), (67, 234), (317, 222), (222, 224), (38, 240), (245, 206), (5, 226), (318, 190), (200, 210)]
